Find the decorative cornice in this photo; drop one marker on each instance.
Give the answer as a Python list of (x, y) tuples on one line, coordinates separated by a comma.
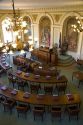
[(49, 9)]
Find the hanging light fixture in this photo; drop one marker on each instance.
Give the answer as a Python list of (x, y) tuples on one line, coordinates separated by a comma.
[(17, 25), (78, 25), (18, 22)]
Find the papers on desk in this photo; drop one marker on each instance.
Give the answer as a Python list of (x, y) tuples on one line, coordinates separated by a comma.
[(19, 72), (70, 97), (40, 67), (4, 88), (48, 77), (26, 95), (14, 92), (37, 76), (27, 74), (40, 96)]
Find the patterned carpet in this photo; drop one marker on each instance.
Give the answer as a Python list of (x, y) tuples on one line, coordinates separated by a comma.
[(7, 119)]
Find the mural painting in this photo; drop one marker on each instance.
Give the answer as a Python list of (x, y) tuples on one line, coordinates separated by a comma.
[(44, 32), (71, 35)]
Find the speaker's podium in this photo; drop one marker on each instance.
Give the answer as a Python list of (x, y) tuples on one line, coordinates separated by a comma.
[(45, 54)]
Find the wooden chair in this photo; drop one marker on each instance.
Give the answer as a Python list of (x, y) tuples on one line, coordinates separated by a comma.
[(48, 89), (56, 112), (12, 78), (35, 88), (20, 83), (22, 109), (8, 104), (38, 111), (2, 98), (61, 87), (73, 110)]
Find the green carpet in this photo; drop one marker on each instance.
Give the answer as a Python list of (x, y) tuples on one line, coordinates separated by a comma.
[(66, 60)]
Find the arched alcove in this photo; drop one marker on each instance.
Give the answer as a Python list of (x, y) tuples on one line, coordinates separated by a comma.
[(27, 34), (44, 31), (69, 34), (6, 30)]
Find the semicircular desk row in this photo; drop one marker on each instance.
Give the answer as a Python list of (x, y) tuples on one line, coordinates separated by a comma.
[(41, 99), (40, 79)]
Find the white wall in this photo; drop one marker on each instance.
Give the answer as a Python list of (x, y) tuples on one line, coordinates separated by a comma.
[(81, 48), (36, 35), (56, 34)]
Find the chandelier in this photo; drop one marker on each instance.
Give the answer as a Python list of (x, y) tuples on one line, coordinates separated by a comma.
[(78, 25), (17, 25), (18, 22)]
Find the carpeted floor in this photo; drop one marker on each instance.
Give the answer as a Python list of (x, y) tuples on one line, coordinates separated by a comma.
[(7, 119)]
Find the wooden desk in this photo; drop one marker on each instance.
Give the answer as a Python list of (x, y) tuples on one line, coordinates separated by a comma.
[(45, 55), (42, 79), (78, 75), (28, 63), (47, 100)]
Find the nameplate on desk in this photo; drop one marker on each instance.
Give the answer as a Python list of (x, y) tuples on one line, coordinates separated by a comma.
[(26, 95), (14, 92), (70, 97)]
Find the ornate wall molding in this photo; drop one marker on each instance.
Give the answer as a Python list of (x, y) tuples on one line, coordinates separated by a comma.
[(57, 17), (34, 16)]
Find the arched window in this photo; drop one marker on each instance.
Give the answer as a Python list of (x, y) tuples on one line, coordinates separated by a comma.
[(7, 31), (28, 34), (18, 32)]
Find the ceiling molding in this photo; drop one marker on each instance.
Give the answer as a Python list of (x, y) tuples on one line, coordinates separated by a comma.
[(50, 10)]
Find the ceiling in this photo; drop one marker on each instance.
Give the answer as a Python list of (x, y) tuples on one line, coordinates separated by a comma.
[(26, 4)]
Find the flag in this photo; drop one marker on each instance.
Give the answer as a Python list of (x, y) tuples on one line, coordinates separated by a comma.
[(60, 40)]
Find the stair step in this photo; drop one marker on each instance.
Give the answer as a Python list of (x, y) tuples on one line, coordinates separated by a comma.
[(66, 60)]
